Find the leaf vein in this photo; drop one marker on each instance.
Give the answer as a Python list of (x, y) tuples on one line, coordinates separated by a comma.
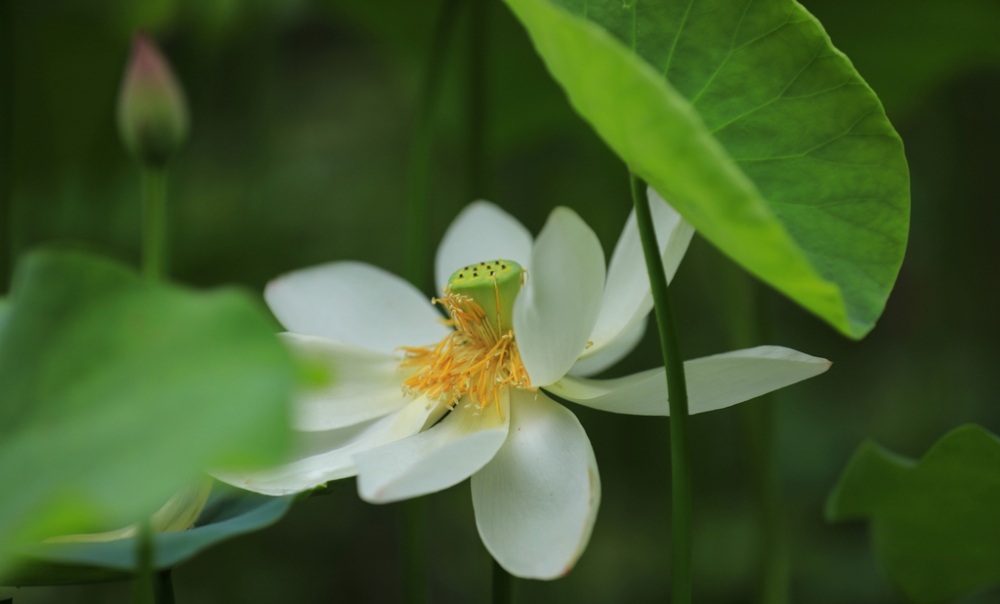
[(732, 51), (819, 146), (776, 98), (788, 19), (825, 204), (843, 84), (673, 46)]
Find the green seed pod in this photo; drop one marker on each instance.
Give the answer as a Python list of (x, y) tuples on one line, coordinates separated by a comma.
[(494, 286), (152, 112)]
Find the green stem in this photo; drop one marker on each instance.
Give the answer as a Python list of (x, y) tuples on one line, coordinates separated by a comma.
[(774, 566), (164, 593), (503, 585), (414, 535), (414, 510), (478, 39), (7, 58), (154, 223), (680, 464), (748, 326), (422, 145), (144, 586)]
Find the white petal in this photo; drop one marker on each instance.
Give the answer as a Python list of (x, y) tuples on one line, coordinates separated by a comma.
[(627, 297), (713, 382), (327, 456), (555, 313), (464, 441), (615, 351), (355, 303), (364, 385), (482, 231), (537, 501)]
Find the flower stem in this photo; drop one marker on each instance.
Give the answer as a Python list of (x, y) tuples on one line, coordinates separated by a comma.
[(503, 585), (478, 39), (7, 55), (414, 511), (680, 465), (748, 326), (414, 535), (775, 568), (421, 146), (144, 586), (154, 222), (164, 588), (150, 586)]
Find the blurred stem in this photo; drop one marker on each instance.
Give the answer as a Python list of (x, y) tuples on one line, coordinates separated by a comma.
[(421, 146), (144, 588), (680, 463), (414, 536), (478, 41), (775, 569), (414, 511), (748, 326), (164, 592), (503, 585), (7, 58), (154, 222)]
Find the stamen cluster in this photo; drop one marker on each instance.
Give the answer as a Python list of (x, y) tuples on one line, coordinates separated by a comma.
[(476, 359)]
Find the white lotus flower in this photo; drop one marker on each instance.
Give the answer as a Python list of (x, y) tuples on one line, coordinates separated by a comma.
[(512, 337)]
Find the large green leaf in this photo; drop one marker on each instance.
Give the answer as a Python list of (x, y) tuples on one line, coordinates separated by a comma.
[(747, 119), (936, 522), (228, 514), (115, 392)]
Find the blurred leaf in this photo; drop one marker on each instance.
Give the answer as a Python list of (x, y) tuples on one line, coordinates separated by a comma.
[(229, 513), (936, 522), (762, 134), (116, 392)]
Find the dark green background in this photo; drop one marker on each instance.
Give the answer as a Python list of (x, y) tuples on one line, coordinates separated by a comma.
[(301, 119)]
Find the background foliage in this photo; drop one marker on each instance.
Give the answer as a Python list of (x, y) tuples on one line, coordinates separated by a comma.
[(945, 502), (302, 112)]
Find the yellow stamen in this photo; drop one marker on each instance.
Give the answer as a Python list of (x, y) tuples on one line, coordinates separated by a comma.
[(476, 359)]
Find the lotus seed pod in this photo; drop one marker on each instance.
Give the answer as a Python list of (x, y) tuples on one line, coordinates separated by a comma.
[(493, 285)]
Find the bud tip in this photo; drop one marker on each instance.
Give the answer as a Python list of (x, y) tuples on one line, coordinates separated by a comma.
[(152, 111)]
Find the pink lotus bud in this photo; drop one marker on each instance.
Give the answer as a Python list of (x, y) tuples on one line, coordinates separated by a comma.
[(152, 113)]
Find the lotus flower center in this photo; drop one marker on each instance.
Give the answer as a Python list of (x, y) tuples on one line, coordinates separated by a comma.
[(479, 357)]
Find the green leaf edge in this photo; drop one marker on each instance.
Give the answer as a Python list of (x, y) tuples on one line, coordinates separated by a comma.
[(797, 279), (840, 505), (65, 564)]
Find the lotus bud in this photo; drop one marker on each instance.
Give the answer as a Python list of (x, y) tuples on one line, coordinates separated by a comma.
[(152, 112)]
